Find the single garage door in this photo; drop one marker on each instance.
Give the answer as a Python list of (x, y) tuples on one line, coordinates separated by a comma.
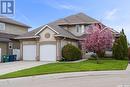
[(29, 52), (48, 52)]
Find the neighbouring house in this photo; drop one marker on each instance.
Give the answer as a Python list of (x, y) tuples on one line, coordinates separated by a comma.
[(45, 43), (9, 29)]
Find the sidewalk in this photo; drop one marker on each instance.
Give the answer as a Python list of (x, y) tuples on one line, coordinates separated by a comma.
[(128, 68), (76, 79), (18, 65)]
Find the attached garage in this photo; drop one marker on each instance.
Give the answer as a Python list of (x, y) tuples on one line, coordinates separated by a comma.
[(48, 52), (45, 44), (29, 52)]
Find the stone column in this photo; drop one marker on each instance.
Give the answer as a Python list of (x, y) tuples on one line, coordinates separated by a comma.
[(58, 50), (38, 51), (21, 50)]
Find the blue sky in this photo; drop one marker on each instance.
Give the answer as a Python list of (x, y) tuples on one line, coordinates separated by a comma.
[(113, 13)]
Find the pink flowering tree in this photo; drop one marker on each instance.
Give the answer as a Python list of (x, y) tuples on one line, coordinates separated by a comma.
[(97, 39)]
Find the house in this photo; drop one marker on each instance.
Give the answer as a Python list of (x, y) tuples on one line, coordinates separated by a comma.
[(46, 42), (9, 29)]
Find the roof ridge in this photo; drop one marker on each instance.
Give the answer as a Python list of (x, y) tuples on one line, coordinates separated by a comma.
[(86, 16)]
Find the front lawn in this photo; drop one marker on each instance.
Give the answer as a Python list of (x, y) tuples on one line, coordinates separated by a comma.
[(62, 67)]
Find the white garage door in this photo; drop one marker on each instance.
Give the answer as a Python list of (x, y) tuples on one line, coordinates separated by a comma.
[(29, 52), (48, 52)]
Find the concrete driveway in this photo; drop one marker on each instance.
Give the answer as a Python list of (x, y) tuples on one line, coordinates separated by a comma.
[(19, 65), (76, 79)]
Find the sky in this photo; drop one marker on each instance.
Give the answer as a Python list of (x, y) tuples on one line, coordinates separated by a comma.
[(113, 13)]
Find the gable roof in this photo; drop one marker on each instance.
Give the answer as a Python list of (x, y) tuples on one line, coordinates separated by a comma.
[(62, 32), (79, 18), (45, 27), (12, 21)]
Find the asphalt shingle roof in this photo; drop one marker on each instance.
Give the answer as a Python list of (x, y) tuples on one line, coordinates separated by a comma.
[(79, 18), (8, 36), (11, 21), (4, 40)]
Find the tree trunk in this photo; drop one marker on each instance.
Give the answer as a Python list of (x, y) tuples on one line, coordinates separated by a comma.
[(98, 61)]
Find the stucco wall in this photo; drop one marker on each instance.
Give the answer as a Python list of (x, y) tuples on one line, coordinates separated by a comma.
[(73, 30), (4, 47), (16, 44), (14, 29), (68, 41), (29, 42), (45, 31)]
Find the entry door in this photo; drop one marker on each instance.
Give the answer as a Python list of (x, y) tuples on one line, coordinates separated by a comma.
[(48, 52)]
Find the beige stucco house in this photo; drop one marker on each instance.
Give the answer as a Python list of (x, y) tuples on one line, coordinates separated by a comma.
[(46, 42), (9, 29)]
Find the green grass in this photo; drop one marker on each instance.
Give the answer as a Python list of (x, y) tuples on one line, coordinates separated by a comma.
[(63, 67)]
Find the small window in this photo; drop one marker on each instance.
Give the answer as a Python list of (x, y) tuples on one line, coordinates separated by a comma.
[(82, 28), (78, 28), (2, 26)]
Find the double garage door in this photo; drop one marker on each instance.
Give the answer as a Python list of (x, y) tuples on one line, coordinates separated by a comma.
[(47, 52)]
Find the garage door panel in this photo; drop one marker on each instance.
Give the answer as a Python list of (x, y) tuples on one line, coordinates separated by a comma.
[(29, 52), (48, 52)]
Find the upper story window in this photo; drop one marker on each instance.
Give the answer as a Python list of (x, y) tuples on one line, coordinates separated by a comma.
[(2, 26), (80, 28)]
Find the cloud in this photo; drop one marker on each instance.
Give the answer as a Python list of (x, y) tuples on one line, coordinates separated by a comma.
[(111, 15), (25, 18), (70, 7), (22, 17), (62, 5)]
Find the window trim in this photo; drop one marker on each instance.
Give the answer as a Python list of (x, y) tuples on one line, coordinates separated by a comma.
[(3, 26), (80, 28)]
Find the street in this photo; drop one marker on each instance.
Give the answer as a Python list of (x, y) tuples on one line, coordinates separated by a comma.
[(76, 79)]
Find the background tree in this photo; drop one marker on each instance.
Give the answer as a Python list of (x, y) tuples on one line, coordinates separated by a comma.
[(120, 47), (129, 54), (97, 40), (125, 44)]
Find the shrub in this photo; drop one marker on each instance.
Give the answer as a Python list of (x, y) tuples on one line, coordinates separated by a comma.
[(71, 53)]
